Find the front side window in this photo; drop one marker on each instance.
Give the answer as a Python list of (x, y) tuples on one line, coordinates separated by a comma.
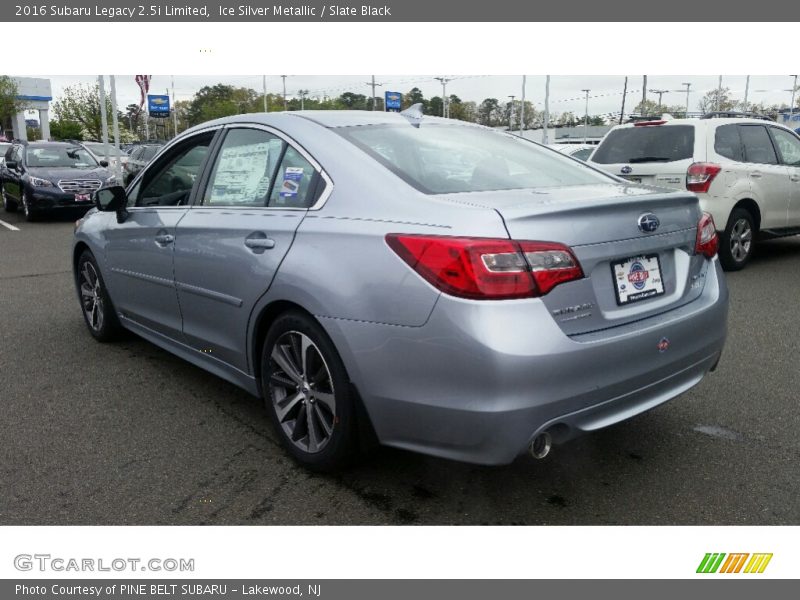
[(788, 145), (757, 145), (73, 157), (245, 169), (169, 181), (441, 159)]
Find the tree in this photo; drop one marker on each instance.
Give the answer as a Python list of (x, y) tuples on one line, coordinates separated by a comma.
[(415, 96), (10, 104), (81, 104), (213, 102), (718, 99), (650, 108), (490, 112), (66, 130), (352, 101)]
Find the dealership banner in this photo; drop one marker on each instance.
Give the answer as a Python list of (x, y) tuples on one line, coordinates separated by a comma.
[(394, 589), (398, 11)]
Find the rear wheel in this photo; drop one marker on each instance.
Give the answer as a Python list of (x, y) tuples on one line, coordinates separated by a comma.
[(98, 311), (8, 203), (736, 245), (307, 393)]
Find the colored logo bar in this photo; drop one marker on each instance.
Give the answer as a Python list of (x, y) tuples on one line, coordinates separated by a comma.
[(719, 562)]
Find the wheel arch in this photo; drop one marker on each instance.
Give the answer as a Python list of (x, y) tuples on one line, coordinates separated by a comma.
[(752, 207)]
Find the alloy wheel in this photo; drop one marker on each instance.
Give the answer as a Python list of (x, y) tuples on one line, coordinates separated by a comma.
[(301, 390), (741, 239), (91, 296)]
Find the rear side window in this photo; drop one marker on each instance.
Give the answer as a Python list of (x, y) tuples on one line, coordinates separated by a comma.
[(727, 142), (757, 145), (650, 143)]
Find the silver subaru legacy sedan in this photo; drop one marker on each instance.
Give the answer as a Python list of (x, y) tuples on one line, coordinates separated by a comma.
[(435, 285)]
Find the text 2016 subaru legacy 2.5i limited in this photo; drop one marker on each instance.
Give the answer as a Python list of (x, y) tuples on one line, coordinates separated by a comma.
[(450, 289)]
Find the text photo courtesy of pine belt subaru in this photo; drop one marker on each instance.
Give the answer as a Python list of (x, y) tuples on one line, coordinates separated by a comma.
[(745, 170), (443, 287)]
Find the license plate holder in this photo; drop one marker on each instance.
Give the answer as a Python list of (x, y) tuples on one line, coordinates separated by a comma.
[(637, 278), (83, 197)]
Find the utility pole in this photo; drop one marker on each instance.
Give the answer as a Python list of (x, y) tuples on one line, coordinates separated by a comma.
[(374, 85), (522, 109), (791, 106), (444, 81), (624, 96), (115, 121), (689, 85), (546, 119), (746, 92), (174, 110), (660, 93), (511, 114), (264, 87), (586, 117), (285, 103), (103, 116), (644, 89), (719, 94)]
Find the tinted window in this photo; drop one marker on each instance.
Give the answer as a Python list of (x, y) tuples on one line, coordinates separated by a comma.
[(169, 181), (441, 159), (648, 143), (727, 142), (149, 152), (295, 183), (757, 145), (245, 169), (583, 154), (788, 145)]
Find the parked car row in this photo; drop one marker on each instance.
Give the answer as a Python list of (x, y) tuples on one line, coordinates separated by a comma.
[(435, 285)]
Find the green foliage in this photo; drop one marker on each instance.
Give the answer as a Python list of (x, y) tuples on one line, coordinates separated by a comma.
[(213, 102), (65, 130), (9, 103), (716, 100), (81, 104)]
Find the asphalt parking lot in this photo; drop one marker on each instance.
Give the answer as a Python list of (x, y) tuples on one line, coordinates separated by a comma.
[(124, 433)]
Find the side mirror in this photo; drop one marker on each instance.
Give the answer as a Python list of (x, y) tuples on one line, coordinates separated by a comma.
[(104, 163), (11, 165), (112, 199)]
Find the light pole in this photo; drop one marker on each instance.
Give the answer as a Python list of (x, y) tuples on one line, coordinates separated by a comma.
[(791, 106), (444, 82), (374, 85), (522, 108), (546, 118), (302, 94), (586, 117), (285, 103), (660, 93), (264, 85), (511, 114), (688, 85)]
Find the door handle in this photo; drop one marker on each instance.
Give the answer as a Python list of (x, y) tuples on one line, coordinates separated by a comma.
[(755, 174), (259, 243), (164, 238)]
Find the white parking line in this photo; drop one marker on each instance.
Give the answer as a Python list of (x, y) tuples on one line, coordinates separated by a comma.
[(9, 226)]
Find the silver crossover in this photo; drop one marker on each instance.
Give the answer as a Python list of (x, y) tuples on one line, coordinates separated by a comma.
[(437, 285)]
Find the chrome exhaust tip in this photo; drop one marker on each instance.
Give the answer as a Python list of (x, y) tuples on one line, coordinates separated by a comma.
[(540, 446)]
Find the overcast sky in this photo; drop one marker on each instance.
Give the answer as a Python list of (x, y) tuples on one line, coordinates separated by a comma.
[(605, 94)]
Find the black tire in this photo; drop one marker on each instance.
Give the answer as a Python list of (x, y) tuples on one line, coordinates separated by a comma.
[(737, 241), (106, 328), (8, 204), (30, 214), (336, 424)]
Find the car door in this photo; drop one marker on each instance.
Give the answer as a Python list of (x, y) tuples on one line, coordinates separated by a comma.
[(788, 144), (231, 242), (12, 179), (139, 251), (769, 179)]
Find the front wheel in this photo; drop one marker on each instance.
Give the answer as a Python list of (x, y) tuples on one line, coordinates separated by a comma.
[(27, 211), (8, 204), (307, 393), (98, 311), (736, 243)]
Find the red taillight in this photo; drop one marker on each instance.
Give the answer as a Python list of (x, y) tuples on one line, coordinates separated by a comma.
[(648, 123), (707, 242), (700, 175), (487, 269)]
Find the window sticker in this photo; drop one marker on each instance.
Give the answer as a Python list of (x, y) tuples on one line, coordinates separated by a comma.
[(291, 182)]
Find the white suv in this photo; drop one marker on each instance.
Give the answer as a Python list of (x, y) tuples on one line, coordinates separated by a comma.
[(746, 172)]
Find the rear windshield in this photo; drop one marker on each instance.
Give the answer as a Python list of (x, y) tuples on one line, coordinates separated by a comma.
[(443, 159), (651, 143)]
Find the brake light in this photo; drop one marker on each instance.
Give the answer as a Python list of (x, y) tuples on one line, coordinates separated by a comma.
[(707, 242), (700, 175), (648, 123), (487, 269)]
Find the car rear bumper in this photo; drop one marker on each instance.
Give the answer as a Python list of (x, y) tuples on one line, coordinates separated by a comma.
[(479, 380)]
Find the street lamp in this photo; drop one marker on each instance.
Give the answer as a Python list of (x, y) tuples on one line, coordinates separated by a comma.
[(791, 106), (302, 94), (688, 85), (586, 117), (444, 81), (660, 93), (511, 114), (285, 103)]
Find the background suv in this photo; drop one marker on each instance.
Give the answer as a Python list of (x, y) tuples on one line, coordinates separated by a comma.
[(745, 170), (44, 177)]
